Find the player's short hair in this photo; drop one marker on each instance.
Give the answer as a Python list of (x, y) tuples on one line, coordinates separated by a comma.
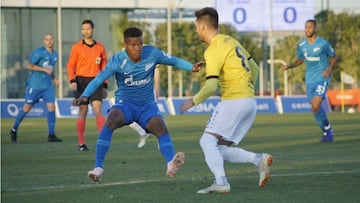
[(132, 32), (49, 34), (209, 15), (311, 21), (88, 21)]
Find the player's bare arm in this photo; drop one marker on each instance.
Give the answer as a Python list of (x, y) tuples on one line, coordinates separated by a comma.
[(186, 105), (332, 63), (293, 65)]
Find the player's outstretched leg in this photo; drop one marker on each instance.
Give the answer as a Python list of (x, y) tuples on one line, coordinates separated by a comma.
[(174, 165)]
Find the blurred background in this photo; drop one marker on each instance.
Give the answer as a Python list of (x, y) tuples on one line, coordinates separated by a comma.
[(269, 29)]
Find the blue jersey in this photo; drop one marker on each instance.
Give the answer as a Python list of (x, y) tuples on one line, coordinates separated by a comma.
[(135, 81), (43, 58), (316, 57)]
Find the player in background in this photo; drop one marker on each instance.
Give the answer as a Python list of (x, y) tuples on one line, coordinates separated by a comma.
[(134, 69), (142, 133), (40, 85), (229, 65), (316, 52), (87, 58)]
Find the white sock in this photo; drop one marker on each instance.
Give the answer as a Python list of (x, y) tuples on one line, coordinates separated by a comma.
[(138, 128), (213, 157), (221, 180), (238, 155)]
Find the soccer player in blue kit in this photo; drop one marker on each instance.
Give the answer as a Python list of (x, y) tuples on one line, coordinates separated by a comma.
[(40, 85), (134, 69), (315, 52)]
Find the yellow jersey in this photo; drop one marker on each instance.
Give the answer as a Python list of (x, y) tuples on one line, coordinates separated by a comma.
[(227, 60)]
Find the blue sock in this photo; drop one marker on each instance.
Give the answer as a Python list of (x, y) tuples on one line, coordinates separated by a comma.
[(322, 120), (166, 147), (18, 119), (51, 122), (103, 145)]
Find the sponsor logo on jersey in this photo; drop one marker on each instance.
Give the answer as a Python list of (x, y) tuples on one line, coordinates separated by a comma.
[(131, 82)]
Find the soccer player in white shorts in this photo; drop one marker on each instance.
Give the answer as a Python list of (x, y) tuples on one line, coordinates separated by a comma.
[(230, 66)]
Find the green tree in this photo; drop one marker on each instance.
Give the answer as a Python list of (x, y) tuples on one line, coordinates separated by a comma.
[(285, 49), (185, 44), (121, 23), (343, 32), (118, 25)]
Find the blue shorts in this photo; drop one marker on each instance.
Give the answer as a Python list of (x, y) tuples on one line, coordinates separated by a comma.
[(32, 96), (138, 113), (317, 89)]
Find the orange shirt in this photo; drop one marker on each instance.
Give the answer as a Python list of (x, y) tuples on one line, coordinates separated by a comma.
[(85, 60)]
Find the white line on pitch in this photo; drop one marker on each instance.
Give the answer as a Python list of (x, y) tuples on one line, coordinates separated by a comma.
[(164, 180)]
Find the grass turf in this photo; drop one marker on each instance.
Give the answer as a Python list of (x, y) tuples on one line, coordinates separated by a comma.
[(304, 170)]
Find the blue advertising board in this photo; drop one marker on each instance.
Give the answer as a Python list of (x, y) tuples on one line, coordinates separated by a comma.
[(206, 107), (298, 104), (264, 105), (64, 108), (163, 106), (10, 108)]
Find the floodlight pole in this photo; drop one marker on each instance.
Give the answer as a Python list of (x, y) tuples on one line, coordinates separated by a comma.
[(180, 6), (271, 40), (169, 72), (60, 64)]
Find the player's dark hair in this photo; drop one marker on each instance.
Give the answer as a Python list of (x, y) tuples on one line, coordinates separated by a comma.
[(88, 21), (311, 21), (209, 15), (132, 32)]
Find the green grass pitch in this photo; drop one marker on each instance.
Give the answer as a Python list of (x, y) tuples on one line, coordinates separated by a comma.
[(303, 170)]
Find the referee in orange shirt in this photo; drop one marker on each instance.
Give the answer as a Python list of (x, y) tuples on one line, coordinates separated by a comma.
[(87, 58)]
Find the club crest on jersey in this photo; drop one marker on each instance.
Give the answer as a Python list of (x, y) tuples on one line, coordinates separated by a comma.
[(316, 49)]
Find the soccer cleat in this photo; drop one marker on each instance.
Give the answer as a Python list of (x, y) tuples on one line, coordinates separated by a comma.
[(264, 169), (215, 189), (13, 135), (142, 141), (328, 136), (53, 138), (96, 174), (174, 165), (83, 148)]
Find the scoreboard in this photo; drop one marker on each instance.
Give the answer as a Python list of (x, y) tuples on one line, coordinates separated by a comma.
[(264, 15)]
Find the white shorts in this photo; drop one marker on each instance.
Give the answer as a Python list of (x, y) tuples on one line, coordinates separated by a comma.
[(232, 119)]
